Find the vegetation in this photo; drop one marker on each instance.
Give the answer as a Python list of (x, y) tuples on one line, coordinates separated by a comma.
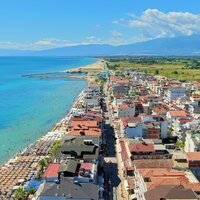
[(102, 83), (182, 68), (43, 163), (55, 147), (38, 176), (180, 144), (31, 191), (20, 194)]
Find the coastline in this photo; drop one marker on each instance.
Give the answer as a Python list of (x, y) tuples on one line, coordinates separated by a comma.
[(89, 71), (30, 157), (55, 133), (98, 66), (87, 78)]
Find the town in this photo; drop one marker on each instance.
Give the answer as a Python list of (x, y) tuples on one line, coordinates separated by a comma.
[(129, 136)]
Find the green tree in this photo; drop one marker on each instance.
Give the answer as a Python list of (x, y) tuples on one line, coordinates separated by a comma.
[(38, 176), (31, 191), (42, 164), (55, 147), (175, 72), (157, 72), (180, 144), (20, 194)]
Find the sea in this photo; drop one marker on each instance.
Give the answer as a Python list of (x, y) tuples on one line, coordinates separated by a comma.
[(29, 107)]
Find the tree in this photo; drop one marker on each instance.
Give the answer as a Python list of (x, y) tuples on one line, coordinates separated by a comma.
[(31, 191), (157, 72), (42, 164), (180, 144), (20, 194), (175, 72), (55, 147), (38, 176)]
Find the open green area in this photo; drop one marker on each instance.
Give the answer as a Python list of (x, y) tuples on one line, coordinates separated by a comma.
[(182, 68)]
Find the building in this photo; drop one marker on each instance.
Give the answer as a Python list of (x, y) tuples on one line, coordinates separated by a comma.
[(170, 192), (192, 141), (126, 110), (193, 159), (51, 173), (67, 189), (84, 128), (142, 150), (156, 125), (83, 147), (175, 93), (148, 179), (175, 114), (86, 173)]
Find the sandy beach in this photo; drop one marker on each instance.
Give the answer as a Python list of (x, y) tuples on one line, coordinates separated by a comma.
[(99, 66)]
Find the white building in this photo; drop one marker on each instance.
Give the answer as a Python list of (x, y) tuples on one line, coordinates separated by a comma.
[(174, 93), (125, 110), (192, 142), (160, 121)]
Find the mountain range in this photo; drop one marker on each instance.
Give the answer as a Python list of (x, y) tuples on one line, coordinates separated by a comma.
[(176, 46)]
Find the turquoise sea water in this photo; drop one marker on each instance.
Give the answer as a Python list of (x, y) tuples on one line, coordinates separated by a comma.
[(30, 107)]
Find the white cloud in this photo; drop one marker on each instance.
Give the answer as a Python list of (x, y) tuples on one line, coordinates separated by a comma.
[(120, 21), (98, 26), (38, 45), (116, 33), (156, 24), (115, 40), (54, 43)]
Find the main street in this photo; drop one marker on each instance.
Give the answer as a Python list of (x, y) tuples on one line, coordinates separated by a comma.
[(111, 178)]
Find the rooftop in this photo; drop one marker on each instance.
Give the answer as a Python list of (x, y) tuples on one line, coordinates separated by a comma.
[(155, 163), (193, 156), (85, 191), (52, 170), (178, 113), (142, 147)]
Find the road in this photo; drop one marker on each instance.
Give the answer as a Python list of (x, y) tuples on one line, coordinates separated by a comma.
[(111, 178)]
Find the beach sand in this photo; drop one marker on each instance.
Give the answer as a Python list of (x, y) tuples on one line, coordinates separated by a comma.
[(99, 66)]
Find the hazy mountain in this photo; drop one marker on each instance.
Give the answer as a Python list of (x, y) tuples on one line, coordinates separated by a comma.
[(185, 45)]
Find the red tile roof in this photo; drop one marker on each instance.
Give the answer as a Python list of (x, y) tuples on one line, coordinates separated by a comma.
[(178, 113), (125, 156), (124, 152), (86, 166), (126, 120), (52, 170), (193, 156), (84, 123), (86, 132), (124, 106), (141, 147), (159, 110), (183, 120), (154, 163)]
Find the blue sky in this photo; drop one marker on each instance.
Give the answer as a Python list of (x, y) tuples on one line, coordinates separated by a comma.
[(41, 24)]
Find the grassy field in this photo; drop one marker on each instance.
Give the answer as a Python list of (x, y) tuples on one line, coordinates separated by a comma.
[(175, 70)]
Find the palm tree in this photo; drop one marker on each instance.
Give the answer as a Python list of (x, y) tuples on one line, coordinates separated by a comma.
[(31, 191), (38, 176), (20, 194), (55, 147), (42, 164)]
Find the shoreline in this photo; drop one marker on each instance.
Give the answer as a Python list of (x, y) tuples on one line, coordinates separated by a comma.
[(53, 128), (94, 67), (86, 72), (29, 154)]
